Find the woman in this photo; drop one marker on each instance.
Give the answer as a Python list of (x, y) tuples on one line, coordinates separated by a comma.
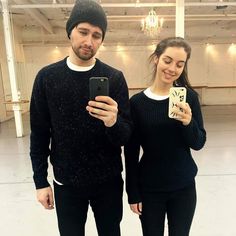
[(162, 182)]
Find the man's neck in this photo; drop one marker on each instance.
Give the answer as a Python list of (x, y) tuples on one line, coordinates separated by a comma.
[(79, 62)]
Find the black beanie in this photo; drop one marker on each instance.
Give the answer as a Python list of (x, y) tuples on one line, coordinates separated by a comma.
[(87, 11)]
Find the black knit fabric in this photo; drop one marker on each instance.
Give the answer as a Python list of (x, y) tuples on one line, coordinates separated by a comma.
[(87, 11), (83, 151), (166, 163)]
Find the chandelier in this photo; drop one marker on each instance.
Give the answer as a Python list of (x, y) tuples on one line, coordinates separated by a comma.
[(152, 25)]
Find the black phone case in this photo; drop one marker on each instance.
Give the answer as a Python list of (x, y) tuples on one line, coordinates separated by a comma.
[(98, 86)]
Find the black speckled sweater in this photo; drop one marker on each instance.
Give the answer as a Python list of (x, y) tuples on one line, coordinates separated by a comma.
[(82, 150), (166, 163)]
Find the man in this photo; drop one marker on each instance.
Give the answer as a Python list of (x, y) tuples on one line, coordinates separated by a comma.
[(83, 138)]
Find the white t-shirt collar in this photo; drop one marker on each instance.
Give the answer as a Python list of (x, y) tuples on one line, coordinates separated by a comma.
[(154, 96), (76, 67)]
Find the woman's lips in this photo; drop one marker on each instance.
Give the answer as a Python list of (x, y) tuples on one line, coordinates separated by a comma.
[(168, 76)]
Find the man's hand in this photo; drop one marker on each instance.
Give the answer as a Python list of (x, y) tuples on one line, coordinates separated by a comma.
[(105, 109), (45, 197)]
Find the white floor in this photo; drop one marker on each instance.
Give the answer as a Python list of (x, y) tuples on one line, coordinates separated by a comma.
[(21, 214)]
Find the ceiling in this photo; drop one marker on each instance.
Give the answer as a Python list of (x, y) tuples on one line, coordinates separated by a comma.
[(44, 20)]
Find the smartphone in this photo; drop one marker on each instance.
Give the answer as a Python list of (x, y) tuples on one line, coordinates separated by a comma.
[(98, 86), (176, 94)]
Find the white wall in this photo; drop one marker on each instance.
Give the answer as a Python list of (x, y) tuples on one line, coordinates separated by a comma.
[(4, 78), (212, 69), (5, 91), (2, 98), (214, 66)]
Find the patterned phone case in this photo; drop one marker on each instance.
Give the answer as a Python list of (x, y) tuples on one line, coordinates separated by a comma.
[(176, 94)]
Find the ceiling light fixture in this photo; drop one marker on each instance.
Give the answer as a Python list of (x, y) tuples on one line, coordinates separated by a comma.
[(152, 25)]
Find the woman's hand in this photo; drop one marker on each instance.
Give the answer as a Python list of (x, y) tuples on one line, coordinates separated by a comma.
[(183, 112), (136, 208)]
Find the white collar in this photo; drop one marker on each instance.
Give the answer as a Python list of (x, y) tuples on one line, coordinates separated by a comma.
[(154, 96), (76, 67)]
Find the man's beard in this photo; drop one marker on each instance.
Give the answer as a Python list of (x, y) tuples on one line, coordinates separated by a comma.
[(84, 57)]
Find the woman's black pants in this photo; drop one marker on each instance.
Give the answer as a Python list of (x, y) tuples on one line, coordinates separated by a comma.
[(178, 206)]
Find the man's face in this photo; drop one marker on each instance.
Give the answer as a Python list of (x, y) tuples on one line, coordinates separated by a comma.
[(85, 41)]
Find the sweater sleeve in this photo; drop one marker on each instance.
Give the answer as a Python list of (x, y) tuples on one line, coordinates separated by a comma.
[(40, 134), (194, 133), (132, 152), (120, 132)]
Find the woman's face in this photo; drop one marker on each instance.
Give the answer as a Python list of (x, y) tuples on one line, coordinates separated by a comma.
[(170, 65)]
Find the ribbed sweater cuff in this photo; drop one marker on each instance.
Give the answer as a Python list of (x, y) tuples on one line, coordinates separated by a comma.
[(41, 183)]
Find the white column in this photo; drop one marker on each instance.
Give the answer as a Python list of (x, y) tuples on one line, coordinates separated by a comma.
[(179, 18), (11, 68)]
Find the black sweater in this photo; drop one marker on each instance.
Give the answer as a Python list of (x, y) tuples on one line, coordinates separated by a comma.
[(166, 163), (82, 150)]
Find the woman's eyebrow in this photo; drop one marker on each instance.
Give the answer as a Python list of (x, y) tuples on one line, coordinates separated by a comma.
[(172, 58)]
